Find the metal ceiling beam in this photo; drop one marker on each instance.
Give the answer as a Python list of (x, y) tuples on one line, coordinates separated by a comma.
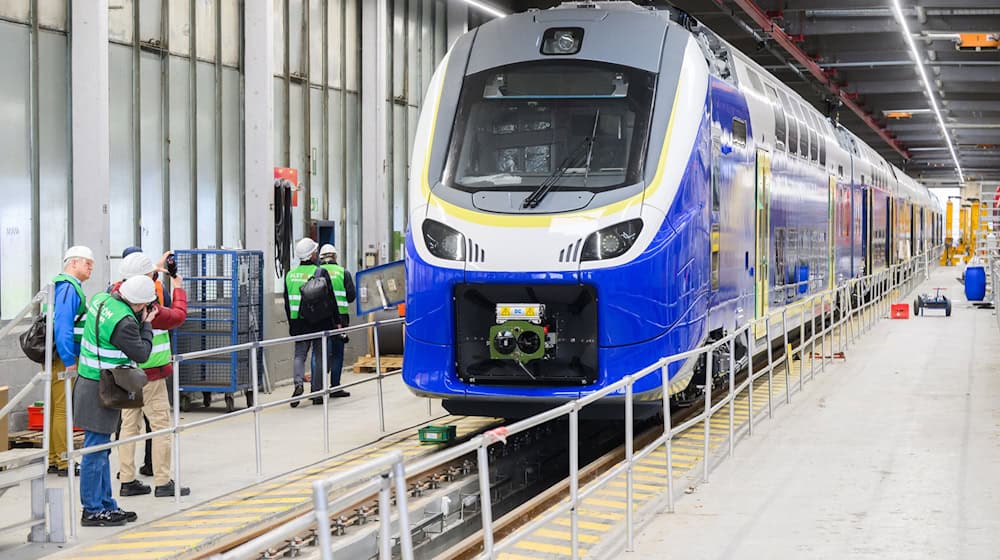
[(764, 22)]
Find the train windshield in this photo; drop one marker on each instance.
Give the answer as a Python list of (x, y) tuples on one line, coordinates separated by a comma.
[(545, 125)]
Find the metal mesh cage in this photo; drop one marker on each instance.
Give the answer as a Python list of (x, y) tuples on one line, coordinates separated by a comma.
[(225, 295)]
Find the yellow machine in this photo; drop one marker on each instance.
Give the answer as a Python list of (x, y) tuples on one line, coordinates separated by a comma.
[(947, 256)]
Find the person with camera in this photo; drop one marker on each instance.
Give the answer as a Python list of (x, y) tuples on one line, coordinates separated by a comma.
[(311, 307), (156, 404), (117, 333), (343, 290)]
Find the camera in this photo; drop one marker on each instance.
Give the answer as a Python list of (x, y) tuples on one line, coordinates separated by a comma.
[(171, 264), (150, 307)]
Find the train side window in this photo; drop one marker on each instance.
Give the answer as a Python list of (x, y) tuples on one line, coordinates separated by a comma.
[(739, 132), (840, 171), (822, 150), (793, 125), (780, 128), (716, 238)]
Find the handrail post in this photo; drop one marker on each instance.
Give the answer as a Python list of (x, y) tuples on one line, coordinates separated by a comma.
[(751, 347), (574, 481), (176, 451), (258, 446), (378, 373), (320, 508), (405, 538), (732, 388), (788, 359), (667, 429), (770, 367), (47, 412), (486, 499), (326, 394), (385, 518), (68, 377), (707, 413), (802, 344), (812, 340), (629, 451)]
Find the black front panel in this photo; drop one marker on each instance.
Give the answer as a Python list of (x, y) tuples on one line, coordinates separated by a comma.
[(570, 321)]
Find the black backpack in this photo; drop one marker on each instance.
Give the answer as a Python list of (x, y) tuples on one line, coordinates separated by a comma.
[(318, 303), (33, 340)]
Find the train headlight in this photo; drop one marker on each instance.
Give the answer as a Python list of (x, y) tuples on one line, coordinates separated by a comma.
[(444, 242), (559, 41), (612, 241)]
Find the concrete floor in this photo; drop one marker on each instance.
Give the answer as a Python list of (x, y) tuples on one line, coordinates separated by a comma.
[(219, 458), (893, 454)]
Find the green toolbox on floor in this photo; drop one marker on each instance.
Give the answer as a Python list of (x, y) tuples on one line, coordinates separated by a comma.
[(436, 434)]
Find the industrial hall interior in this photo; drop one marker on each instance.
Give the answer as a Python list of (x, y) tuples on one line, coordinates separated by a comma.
[(499, 279)]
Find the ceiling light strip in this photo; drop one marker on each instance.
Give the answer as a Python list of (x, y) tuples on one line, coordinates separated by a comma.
[(486, 8), (898, 10)]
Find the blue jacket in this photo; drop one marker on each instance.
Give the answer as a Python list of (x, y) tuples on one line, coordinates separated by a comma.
[(67, 301)]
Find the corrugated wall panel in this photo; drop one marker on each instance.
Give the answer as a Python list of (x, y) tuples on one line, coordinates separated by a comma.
[(151, 151), (121, 210), (54, 133)]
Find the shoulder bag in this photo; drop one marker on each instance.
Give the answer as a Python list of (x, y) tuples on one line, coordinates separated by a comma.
[(120, 387)]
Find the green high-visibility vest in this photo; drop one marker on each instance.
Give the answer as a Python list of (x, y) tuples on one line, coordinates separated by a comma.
[(81, 310), (99, 343), (294, 280), (160, 355), (337, 281)]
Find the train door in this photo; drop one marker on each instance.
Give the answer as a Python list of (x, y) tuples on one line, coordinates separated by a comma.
[(763, 239), (831, 243), (866, 230)]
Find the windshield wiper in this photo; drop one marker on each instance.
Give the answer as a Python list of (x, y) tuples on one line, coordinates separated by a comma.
[(551, 182)]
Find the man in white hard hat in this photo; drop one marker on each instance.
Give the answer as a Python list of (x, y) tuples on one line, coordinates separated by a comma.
[(68, 317), (295, 280), (156, 404), (343, 290), (118, 333)]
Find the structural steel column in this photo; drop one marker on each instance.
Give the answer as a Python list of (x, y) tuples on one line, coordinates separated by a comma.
[(91, 135), (258, 156), (458, 21), (374, 133)]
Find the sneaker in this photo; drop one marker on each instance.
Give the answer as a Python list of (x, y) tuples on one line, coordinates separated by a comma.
[(296, 392), (317, 400), (339, 394), (104, 518), (134, 488), (64, 472), (53, 469), (169, 488), (146, 470), (130, 516)]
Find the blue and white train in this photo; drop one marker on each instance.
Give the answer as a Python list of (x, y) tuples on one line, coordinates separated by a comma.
[(599, 185)]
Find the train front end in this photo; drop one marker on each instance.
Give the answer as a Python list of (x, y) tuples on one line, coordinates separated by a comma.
[(558, 233)]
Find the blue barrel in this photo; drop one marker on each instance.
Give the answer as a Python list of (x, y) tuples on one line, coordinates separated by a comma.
[(975, 283), (803, 278)]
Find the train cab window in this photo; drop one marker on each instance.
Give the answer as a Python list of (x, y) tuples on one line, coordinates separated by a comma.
[(571, 125), (739, 132), (780, 128)]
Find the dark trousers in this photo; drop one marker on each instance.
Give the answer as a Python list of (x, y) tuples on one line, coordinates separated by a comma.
[(335, 346), (299, 365)]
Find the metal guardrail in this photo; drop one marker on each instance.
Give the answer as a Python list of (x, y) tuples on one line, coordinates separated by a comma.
[(177, 427), (855, 318)]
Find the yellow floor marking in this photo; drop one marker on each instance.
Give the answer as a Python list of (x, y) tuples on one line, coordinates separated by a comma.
[(636, 485), (252, 501), (221, 522), (588, 525), (606, 515), (605, 503), (662, 480), (173, 543), (170, 533), (546, 547), (564, 535), (616, 493), (130, 555), (230, 511), (513, 556), (643, 468)]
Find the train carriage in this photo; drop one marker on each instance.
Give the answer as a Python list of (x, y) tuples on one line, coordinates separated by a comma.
[(582, 205)]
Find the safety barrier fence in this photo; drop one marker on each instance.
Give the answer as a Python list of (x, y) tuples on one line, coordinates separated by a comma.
[(836, 319), (254, 348)]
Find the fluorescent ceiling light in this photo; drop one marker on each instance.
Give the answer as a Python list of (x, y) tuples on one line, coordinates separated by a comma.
[(486, 8), (918, 60)]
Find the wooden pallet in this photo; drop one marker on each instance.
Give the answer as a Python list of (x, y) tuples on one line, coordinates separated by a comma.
[(366, 364), (33, 438)]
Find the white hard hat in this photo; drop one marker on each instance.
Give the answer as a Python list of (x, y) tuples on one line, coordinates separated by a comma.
[(78, 252), (328, 249), (138, 289), (135, 264), (305, 248)]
